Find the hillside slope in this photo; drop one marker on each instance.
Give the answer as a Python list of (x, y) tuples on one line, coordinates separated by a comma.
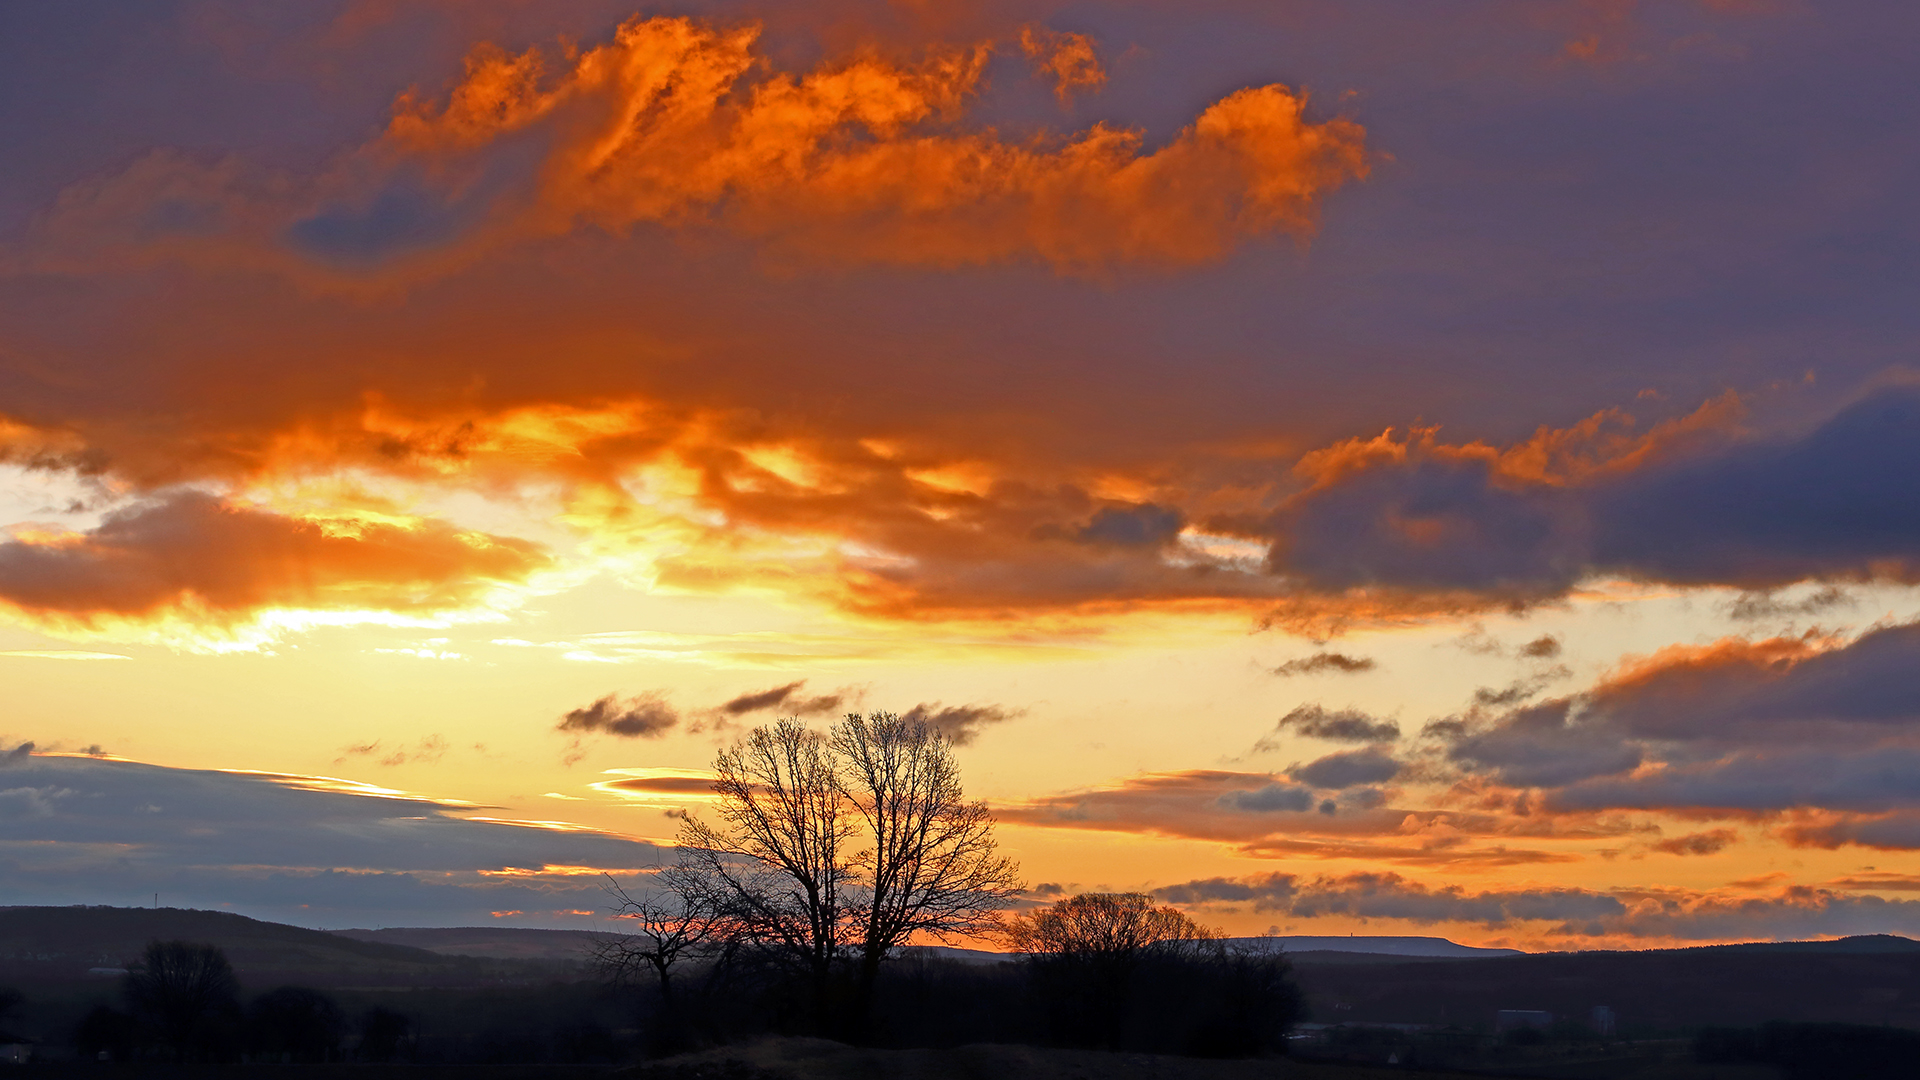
[(60, 944)]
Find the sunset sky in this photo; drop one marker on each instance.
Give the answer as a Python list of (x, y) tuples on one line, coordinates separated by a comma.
[(1340, 465)]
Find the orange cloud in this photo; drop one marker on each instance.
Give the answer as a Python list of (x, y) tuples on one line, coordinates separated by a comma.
[(1270, 816), (886, 522), (683, 124), (195, 557), (1601, 445), (1067, 58), (859, 159)]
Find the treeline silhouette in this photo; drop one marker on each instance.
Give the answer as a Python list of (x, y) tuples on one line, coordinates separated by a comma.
[(183, 1004), (1097, 971)]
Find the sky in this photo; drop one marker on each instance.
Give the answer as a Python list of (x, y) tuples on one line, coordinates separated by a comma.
[(1340, 466)]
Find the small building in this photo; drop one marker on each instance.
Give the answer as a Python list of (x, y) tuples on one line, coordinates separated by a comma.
[(1514, 1019), (15, 1049), (1602, 1020)]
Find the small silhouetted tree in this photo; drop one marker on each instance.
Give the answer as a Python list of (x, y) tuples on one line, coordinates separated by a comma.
[(674, 922), (189, 993), (295, 1023)]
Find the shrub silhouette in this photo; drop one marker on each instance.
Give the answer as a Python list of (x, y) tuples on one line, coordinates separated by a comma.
[(106, 1030), (295, 1023)]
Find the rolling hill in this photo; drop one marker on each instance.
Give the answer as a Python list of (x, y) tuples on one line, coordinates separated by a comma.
[(65, 944)]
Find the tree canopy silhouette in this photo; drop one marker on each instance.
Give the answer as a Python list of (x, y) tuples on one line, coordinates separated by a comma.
[(189, 992), (1085, 951), (1119, 927), (296, 1023)]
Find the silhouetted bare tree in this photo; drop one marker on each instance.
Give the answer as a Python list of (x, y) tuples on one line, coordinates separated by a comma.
[(933, 867), (189, 991), (783, 866), (674, 922), (777, 863)]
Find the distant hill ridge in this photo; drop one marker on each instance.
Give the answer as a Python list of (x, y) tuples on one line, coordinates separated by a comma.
[(113, 936), (62, 943), (499, 942), (110, 936), (1379, 945)]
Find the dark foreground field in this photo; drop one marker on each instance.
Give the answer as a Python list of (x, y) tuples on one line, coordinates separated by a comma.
[(818, 1059), (781, 1059), (813, 1059)]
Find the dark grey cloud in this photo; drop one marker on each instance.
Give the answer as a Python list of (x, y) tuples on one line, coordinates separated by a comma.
[(1343, 725), (960, 723), (427, 751), (1322, 663), (16, 755), (1431, 525), (1774, 690), (1863, 780), (1833, 503), (1544, 647), (398, 219), (1391, 896), (1511, 694), (85, 830), (1710, 842), (1837, 502), (1737, 727), (1754, 606), (1269, 798), (1895, 831), (645, 716), (1543, 746), (1519, 690), (1350, 768), (787, 698), (28, 803), (1142, 525)]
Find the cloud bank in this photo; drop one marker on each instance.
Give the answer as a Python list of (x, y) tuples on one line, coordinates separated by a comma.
[(306, 850)]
